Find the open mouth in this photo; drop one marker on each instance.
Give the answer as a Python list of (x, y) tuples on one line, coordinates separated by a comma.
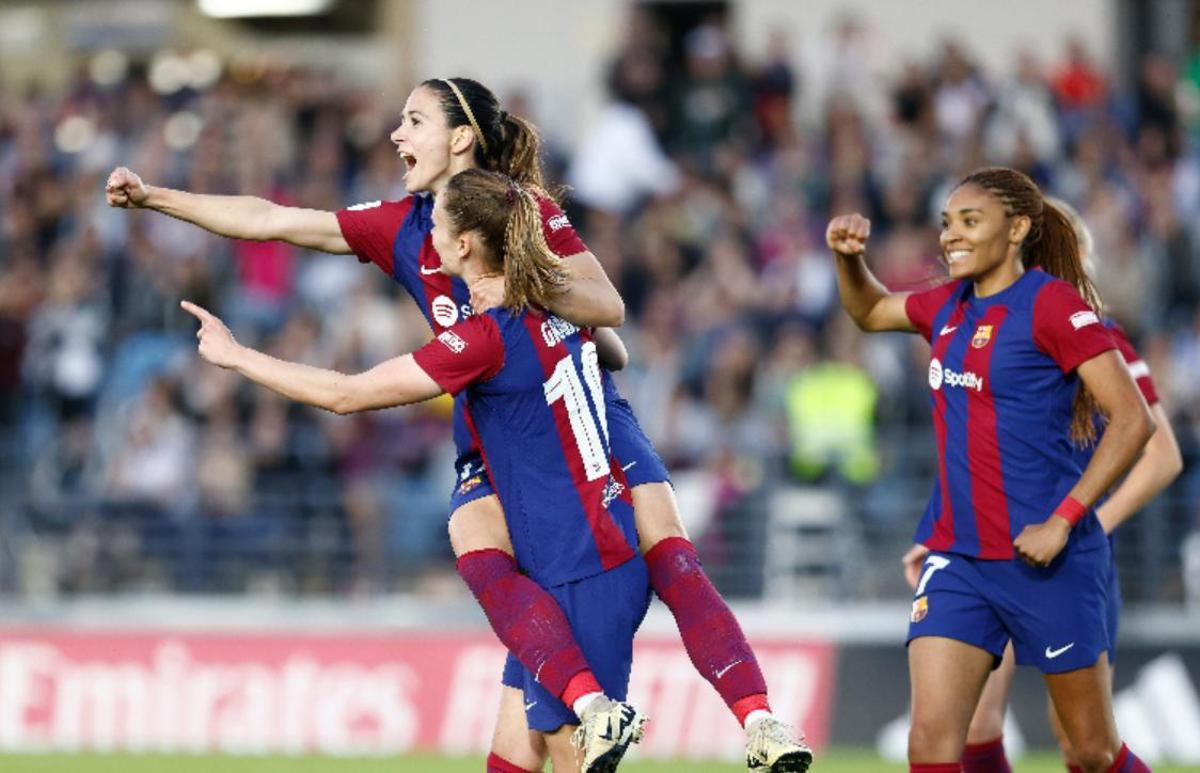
[(957, 256), (409, 160)]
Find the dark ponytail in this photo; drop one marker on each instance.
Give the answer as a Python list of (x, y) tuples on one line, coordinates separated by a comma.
[(1053, 247), (505, 143)]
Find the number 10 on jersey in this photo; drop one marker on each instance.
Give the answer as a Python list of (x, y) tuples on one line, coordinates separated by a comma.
[(565, 384)]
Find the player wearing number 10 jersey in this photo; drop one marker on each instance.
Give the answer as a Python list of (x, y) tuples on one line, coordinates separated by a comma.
[(538, 415)]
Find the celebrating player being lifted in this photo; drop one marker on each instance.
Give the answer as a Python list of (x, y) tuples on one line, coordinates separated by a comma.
[(446, 126)]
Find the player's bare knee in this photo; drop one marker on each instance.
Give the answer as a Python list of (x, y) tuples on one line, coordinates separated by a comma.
[(986, 725), (656, 514), (1094, 755)]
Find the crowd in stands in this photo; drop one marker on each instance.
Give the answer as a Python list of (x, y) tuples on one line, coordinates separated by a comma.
[(704, 187)]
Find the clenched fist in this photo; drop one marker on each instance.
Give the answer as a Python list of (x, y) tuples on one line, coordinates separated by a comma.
[(848, 234), (125, 189)]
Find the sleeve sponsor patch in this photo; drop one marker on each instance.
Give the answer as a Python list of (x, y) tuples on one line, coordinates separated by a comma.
[(452, 341), (1082, 319), (557, 222), (364, 205)]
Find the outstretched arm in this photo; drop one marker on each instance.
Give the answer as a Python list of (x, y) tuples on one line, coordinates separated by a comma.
[(1160, 463), (238, 217), (398, 381)]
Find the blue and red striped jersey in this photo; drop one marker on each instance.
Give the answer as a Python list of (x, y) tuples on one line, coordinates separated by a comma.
[(536, 406), (395, 236), (1002, 384)]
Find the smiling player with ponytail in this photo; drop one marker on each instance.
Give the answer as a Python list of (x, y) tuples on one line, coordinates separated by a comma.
[(1020, 361)]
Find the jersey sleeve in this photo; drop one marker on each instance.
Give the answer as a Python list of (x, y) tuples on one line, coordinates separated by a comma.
[(1138, 368), (922, 307), (1066, 328), (561, 236), (370, 229), (464, 354)]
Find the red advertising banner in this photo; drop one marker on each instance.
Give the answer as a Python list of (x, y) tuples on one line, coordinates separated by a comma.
[(358, 693)]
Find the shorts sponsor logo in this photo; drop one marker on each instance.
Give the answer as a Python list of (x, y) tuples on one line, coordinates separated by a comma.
[(983, 334), (613, 489), (445, 312), (920, 609), (1084, 318), (453, 341), (469, 484)]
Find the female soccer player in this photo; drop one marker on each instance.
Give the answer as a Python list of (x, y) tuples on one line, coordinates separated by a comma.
[(1160, 463), (448, 126), (538, 411), (1020, 362)]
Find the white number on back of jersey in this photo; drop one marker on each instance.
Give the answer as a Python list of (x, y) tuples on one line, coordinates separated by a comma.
[(564, 384)]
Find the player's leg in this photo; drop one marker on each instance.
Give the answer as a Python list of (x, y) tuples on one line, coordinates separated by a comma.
[(1083, 702), (522, 614), (711, 635), (515, 748), (947, 678), (984, 752)]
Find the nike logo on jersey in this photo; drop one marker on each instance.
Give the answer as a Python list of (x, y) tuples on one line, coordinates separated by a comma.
[(1052, 654), (530, 705), (427, 271), (947, 329), (625, 467)]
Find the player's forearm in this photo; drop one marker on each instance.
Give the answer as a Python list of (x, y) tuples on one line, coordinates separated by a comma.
[(237, 217), (858, 288), (589, 302), (1158, 465), (610, 349), (318, 387), (1122, 442)]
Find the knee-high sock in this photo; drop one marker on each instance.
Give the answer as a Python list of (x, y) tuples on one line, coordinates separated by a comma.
[(711, 635), (527, 619), (986, 757), (497, 764), (1128, 762), (934, 767)]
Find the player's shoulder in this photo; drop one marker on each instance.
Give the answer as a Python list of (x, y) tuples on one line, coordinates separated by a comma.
[(552, 214), (395, 210)]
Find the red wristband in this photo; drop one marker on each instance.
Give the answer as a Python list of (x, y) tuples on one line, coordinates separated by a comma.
[(1071, 509)]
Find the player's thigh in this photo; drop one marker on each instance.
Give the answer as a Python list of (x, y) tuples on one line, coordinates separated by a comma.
[(947, 678), (988, 722), (478, 525), (512, 739), (656, 514), (1082, 700)]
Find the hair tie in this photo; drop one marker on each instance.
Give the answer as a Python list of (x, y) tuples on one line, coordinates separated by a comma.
[(510, 194), (470, 115)]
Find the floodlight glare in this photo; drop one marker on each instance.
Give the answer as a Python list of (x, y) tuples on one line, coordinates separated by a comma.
[(230, 9)]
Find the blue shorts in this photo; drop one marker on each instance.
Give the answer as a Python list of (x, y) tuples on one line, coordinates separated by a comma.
[(605, 611), (632, 449), (630, 446), (1113, 611), (1056, 617)]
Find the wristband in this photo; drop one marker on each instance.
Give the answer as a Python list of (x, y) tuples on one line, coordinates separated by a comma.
[(1071, 509)]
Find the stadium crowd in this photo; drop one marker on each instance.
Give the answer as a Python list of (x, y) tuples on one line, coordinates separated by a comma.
[(704, 186)]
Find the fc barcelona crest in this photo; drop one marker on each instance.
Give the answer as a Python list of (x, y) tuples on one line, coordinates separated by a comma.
[(920, 609), (983, 334)]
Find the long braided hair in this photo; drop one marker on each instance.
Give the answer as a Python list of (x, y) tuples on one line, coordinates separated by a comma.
[(1052, 246)]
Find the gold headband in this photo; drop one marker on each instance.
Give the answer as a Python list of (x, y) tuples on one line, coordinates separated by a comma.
[(467, 109)]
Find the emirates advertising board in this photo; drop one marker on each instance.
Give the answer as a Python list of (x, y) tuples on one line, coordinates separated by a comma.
[(351, 694)]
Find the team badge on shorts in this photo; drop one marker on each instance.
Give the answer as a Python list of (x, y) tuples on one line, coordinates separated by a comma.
[(920, 609), (469, 484), (983, 334)]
